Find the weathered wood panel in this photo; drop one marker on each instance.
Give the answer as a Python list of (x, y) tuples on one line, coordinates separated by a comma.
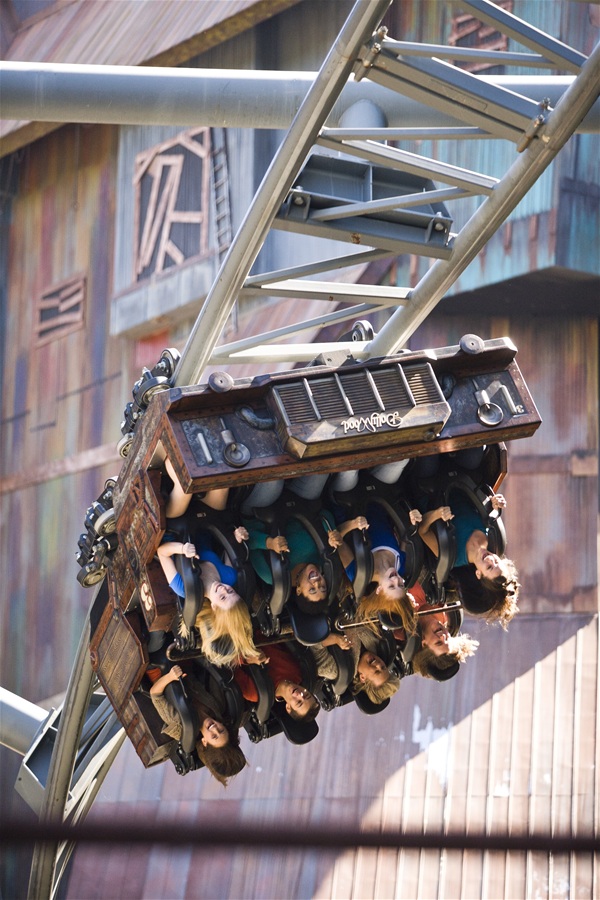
[(61, 402), (507, 746)]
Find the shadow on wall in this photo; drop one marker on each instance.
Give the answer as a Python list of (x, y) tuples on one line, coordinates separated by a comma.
[(384, 771)]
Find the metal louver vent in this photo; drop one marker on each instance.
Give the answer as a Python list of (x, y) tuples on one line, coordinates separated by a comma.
[(328, 398), (383, 404), (422, 383), (358, 387), (388, 389), (393, 388), (295, 403)]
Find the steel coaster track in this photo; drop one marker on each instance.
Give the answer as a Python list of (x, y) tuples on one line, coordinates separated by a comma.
[(421, 72)]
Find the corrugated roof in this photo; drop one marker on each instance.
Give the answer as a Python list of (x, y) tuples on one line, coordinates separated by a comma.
[(130, 33)]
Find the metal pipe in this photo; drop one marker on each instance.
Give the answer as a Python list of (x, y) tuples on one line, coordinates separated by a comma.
[(561, 124), (20, 721), (230, 98), (62, 764), (334, 73), (282, 835)]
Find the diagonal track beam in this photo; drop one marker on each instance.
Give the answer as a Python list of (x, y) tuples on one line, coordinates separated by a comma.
[(333, 75), (561, 124)]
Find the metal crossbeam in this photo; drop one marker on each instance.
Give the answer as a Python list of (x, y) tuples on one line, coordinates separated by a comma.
[(455, 92), (563, 56), (404, 161)]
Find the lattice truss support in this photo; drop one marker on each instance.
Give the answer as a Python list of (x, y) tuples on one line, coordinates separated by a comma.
[(405, 200)]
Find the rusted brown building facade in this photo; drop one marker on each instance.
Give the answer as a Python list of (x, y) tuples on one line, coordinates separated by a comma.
[(91, 291)]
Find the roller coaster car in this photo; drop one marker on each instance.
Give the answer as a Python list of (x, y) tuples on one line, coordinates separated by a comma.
[(234, 433)]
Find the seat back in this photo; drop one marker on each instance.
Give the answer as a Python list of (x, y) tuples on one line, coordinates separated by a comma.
[(220, 683), (307, 629), (479, 495), (190, 722), (307, 513), (272, 598), (360, 546), (366, 705), (221, 524), (193, 601), (345, 668), (390, 497), (295, 730), (353, 503), (266, 693)]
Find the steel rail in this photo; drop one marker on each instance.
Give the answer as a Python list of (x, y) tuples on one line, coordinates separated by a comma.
[(529, 165), (62, 764)]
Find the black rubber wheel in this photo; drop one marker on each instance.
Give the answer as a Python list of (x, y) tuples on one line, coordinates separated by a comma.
[(471, 344), (220, 382), (170, 358), (149, 388), (362, 331)]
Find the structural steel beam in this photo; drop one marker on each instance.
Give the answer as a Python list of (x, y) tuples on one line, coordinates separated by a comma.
[(527, 168), (130, 95), (275, 186)]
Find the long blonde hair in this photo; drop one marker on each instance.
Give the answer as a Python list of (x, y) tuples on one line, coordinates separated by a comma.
[(226, 634), (373, 603)]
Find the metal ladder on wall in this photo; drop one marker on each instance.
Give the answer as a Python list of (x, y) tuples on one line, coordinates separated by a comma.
[(220, 174), (354, 184)]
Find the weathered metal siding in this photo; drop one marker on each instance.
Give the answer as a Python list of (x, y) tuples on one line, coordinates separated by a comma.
[(508, 746), (60, 401), (133, 33)]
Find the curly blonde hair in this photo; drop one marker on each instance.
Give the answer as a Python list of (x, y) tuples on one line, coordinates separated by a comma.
[(493, 599), (459, 649)]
